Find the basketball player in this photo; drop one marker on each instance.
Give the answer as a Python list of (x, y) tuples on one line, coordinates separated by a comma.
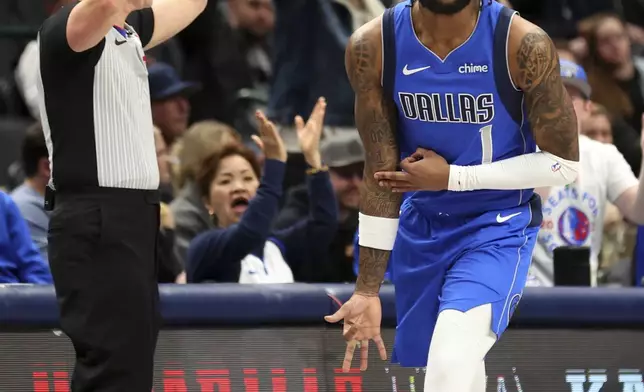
[(463, 91)]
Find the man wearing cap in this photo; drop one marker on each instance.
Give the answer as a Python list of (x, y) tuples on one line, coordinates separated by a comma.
[(169, 96), (343, 153), (573, 215)]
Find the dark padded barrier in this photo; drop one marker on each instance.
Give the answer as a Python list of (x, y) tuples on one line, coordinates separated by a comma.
[(550, 306), (234, 304)]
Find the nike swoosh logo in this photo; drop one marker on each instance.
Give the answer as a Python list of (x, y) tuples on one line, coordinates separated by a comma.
[(407, 71), (116, 41), (502, 219)]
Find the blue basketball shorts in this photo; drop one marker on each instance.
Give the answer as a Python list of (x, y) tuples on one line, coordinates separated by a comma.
[(446, 262)]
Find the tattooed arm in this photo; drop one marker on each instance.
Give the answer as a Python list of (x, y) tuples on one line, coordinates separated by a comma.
[(375, 119), (534, 65)]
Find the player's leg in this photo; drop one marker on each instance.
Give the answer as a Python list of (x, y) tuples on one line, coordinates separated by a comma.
[(480, 380), (481, 290), (458, 347), (418, 275)]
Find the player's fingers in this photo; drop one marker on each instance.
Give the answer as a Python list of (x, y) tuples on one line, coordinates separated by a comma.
[(350, 333), (391, 175), (381, 347), (348, 355), (364, 355), (404, 189), (337, 316)]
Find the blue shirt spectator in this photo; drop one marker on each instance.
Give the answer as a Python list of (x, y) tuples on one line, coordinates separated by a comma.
[(32, 208), (30, 196), (20, 261), (248, 251)]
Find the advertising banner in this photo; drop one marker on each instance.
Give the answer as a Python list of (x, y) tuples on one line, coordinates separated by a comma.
[(307, 359)]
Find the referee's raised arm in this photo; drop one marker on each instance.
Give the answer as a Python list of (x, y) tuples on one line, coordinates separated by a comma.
[(94, 101)]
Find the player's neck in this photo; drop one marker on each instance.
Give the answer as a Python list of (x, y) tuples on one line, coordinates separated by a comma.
[(442, 28)]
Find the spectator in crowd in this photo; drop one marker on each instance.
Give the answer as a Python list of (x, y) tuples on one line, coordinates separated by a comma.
[(26, 74), (30, 196), (228, 49), (618, 239), (308, 62), (242, 248), (574, 215), (170, 269), (616, 76), (202, 140), (20, 261), (169, 95), (344, 155), (597, 126)]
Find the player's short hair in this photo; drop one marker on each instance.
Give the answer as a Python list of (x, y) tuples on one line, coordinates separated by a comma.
[(210, 165), (34, 149)]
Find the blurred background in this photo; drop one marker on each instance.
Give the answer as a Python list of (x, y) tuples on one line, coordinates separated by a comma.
[(280, 56)]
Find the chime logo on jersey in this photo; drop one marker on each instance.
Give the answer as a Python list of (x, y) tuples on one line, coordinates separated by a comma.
[(452, 108)]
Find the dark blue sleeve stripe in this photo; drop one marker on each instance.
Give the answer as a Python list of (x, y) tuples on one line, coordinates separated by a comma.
[(510, 97), (388, 52)]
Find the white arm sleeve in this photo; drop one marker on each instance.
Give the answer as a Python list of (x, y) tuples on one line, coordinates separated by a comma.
[(527, 171)]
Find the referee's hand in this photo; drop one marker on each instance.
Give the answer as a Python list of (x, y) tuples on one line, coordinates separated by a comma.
[(269, 139)]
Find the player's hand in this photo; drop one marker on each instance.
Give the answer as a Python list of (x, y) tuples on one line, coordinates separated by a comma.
[(424, 170), (269, 139), (309, 134), (362, 315)]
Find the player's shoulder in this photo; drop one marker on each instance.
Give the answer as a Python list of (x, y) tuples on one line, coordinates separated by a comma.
[(528, 47), (363, 56), (370, 32)]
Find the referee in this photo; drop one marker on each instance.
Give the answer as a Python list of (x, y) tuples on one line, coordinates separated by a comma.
[(95, 109)]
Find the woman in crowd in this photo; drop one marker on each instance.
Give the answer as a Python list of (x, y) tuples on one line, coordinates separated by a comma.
[(616, 76), (242, 248), (191, 217)]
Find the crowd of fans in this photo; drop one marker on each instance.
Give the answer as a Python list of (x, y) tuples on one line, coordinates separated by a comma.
[(239, 209)]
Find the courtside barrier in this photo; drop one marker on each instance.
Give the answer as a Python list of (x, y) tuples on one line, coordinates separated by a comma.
[(251, 338)]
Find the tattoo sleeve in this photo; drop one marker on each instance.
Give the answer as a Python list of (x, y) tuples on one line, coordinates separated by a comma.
[(550, 109), (375, 120)]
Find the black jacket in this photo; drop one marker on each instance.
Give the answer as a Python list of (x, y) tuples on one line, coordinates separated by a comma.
[(336, 266)]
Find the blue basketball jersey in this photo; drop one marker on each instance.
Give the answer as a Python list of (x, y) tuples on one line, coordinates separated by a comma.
[(464, 107)]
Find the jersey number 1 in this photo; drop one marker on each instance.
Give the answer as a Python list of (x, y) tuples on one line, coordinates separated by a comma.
[(486, 144)]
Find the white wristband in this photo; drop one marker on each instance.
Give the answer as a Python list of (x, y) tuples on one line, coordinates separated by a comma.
[(535, 170), (377, 233)]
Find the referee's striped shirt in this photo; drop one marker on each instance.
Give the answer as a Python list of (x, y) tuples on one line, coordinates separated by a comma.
[(95, 106)]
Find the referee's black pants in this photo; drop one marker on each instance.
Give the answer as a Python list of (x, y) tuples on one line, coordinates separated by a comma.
[(102, 253)]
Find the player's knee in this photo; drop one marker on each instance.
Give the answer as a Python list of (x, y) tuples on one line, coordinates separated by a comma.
[(444, 367), (459, 344)]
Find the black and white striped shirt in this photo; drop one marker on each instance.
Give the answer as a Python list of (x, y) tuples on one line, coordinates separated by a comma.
[(95, 106)]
